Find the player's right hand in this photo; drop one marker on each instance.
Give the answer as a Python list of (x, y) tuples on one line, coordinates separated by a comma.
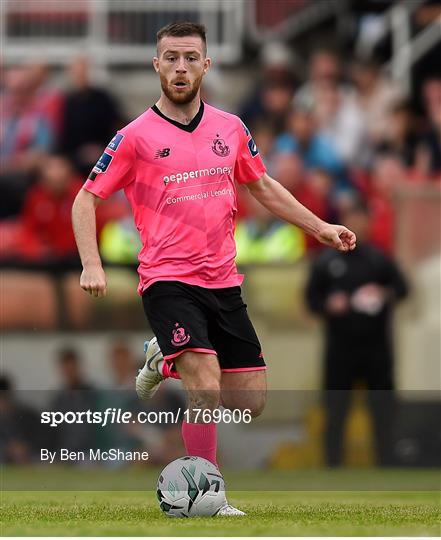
[(93, 280)]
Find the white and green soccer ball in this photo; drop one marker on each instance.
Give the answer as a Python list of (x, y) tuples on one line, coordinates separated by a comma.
[(191, 486)]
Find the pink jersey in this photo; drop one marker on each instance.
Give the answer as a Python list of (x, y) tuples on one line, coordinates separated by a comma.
[(180, 182)]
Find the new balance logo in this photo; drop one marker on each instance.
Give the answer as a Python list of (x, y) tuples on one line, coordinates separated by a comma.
[(165, 152)]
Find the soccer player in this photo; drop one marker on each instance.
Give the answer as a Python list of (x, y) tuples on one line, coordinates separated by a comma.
[(178, 163)]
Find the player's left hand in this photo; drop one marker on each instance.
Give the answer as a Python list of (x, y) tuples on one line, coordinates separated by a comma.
[(338, 237)]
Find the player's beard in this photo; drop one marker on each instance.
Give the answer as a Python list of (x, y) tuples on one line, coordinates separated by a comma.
[(181, 98)]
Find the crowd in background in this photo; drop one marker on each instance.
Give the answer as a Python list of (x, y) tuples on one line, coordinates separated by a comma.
[(50, 140), (344, 133), (22, 434)]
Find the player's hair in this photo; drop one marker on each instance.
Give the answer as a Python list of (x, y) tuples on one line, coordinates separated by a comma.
[(183, 29)]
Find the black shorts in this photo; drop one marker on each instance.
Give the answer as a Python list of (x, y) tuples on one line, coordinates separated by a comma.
[(214, 321)]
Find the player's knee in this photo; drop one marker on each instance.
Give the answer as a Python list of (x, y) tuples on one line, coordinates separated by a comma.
[(204, 391), (198, 369), (257, 406), (252, 402), (205, 381), (201, 376)]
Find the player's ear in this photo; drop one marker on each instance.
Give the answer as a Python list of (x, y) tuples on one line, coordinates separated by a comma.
[(156, 63), (207, 65)]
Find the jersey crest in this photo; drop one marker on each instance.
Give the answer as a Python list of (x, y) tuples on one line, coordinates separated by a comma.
[(220, 147)]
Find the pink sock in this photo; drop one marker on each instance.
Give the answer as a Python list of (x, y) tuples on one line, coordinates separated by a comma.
[(200, 440), (167, 371)]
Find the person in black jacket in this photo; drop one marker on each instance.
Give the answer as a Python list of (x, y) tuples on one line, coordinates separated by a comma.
[(90, 117), (355, 294)]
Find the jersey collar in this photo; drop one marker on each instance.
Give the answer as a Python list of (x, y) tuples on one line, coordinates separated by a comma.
[(185, 127)]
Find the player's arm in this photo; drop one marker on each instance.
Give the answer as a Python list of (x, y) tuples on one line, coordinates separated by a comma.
[(112, 172), (93, 278), (281, 203)]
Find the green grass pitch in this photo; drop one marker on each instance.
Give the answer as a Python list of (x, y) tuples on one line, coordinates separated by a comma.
[(304, 512)]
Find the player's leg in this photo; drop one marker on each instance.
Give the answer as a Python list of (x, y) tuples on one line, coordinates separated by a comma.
[(244, 390), (243, 382), (201, 378), (200, 374), (178, 321), (178, 316)]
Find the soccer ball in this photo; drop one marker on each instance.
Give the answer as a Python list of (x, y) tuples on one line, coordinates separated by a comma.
[(190, 486)]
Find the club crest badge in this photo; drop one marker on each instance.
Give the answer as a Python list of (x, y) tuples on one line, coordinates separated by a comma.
[(220, 148), (180, 336)]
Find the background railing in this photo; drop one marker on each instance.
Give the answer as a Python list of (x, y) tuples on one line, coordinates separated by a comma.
[(112, 32)]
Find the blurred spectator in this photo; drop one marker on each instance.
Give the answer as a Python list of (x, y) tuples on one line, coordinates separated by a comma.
[(387, 175), (324, 71), (46, 216), (20, 434), (341, 120), (431, 143), (377, 95), (260, 238), (89, 120), (312, 188), (76, 394), (71, 373), (335, 109), (276, 101), (315, 150), (123, 366), (289, 171), (272, 94), (355, 294), (25, 137), (400, 137), (43, 234), (48, 100), (272, 105), (40, 252)]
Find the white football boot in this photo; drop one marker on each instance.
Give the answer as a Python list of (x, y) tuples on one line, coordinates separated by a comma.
[(149, 377), (228, 510)]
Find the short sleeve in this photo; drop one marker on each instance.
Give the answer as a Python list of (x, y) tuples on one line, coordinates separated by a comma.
[(115, 168), (249, 166)]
